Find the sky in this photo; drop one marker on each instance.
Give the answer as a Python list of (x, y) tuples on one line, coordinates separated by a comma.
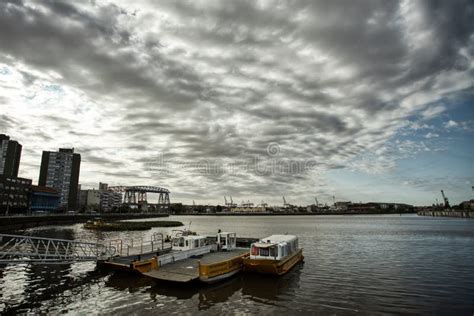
[(360, 100)]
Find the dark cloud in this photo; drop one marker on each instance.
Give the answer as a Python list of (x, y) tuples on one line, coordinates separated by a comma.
[(218, 82), (6, 122)]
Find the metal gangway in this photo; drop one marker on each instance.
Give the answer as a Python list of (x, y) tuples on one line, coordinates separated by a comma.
[(17, 248)]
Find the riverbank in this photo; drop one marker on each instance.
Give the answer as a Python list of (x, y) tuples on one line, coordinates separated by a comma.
[(129, 226), (22, 222), (293, 213), (447, 213)]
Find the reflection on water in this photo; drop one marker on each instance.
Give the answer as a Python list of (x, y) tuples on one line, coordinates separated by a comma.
[(268, 288), (259, 288), (353, 264)]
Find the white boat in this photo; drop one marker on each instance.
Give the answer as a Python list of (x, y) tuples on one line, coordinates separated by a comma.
[(275, 254)]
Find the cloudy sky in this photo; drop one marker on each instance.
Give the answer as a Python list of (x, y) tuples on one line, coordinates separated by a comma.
[(363, 100)]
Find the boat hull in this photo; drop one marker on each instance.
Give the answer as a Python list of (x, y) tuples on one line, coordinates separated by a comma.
[(278, 267), (220, 277), (218, 271)]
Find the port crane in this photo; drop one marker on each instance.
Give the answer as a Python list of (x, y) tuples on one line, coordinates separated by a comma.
[(285, 204), (231, 203), (446, 202), (247, 204)]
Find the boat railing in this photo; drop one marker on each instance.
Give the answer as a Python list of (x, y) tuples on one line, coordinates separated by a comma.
[(138, 246)]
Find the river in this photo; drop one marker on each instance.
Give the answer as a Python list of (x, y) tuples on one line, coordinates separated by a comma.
[(353, 264)]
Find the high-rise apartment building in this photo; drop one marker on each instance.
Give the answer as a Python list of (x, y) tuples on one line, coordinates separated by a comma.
[(10, 154), (14, 191), (60, 171)]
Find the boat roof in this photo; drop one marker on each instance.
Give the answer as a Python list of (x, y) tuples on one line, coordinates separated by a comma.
[(264, 244), (190, 237), (278, 238), (194, 237), (226, 233)]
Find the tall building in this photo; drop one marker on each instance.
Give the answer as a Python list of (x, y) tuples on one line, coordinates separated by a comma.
[(14, 191), (60, 171), (110, 200), (10, 154), (103, 186), (14, 195), (101, 200)]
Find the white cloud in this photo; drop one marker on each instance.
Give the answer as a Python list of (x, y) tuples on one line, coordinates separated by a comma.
[(451, 124), (431, 135)]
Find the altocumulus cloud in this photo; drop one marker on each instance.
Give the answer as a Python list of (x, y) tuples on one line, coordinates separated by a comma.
[(189, 94)]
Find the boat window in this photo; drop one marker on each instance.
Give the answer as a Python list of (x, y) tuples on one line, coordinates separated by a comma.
[(264, 252), (201, 242), (254, 251), (224, 241), (196, 243), (181, 242), (176, 242), (273, 252), (186, 243)]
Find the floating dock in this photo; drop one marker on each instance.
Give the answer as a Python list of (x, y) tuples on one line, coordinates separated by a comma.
[(206, 263), (209, 268)]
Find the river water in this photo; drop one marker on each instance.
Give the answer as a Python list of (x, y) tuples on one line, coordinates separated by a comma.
[(353, 264)]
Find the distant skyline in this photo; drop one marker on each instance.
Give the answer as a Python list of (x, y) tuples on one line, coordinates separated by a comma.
[(364, 101)]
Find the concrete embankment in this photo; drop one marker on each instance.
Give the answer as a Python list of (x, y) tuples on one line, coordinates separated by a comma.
[(448, 213), (295, 213), (21, 222)]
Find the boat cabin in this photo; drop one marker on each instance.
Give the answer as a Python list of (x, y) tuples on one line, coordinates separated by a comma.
[(188, 242), (274, 247), (226, 241)]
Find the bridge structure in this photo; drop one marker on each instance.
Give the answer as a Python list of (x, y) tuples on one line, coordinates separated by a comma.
[(19, 248), (137, 195)]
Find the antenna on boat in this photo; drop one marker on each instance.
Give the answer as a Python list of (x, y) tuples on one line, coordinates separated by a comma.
[(189, 226)]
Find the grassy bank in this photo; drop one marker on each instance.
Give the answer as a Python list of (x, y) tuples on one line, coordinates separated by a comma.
[(127, 226)]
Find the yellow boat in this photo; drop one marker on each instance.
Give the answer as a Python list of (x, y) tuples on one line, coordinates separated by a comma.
[(95, 224), (275, 254)]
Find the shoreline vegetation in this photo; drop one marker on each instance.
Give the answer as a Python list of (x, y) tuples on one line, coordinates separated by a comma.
[(129, 226)]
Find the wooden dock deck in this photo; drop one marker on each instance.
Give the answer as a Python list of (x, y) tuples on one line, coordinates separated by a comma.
[(188, 270)]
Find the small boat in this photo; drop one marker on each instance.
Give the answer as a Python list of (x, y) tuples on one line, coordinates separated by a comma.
[(97, 223), (275, 254)]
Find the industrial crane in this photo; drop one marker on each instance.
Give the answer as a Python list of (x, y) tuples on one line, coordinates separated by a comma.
[(229, 204), (284, 203), (446, 202)]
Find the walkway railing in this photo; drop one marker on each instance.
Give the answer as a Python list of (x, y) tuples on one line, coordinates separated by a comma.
[(15, 248), (136, 247)]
